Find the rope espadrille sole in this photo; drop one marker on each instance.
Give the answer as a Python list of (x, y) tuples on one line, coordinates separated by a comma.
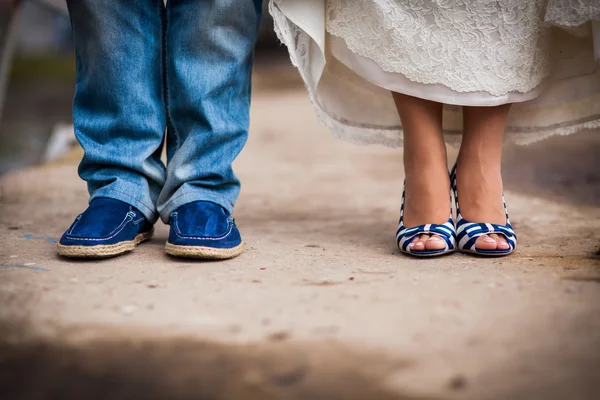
[(103, 251), (204, 253)]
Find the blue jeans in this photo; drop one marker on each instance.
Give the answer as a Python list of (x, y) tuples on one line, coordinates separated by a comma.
[(149, 73)]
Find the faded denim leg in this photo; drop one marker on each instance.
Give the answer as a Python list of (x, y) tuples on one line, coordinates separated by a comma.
[(118, 109), (209, 50)]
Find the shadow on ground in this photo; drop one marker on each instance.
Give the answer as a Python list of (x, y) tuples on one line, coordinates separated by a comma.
[(98, 362), (180, 369), (563, 168)]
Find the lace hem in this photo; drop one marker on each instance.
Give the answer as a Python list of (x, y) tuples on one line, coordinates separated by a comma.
[(394, 137), (529, 138), (297, 41), (465, 45), (572, 13), (451, 83)]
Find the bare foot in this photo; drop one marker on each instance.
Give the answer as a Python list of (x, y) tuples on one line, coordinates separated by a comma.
[(427, 201), (480, 200), (479, 177), (427, 188)]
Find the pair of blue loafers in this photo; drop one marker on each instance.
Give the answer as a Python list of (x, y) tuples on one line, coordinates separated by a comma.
[(111, 227)]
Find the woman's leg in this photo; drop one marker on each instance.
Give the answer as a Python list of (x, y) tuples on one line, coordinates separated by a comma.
[(479, 177), (425, 165)]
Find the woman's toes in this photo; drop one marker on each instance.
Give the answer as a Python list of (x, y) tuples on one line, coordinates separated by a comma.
[(492, 242), (486, 242), (435, 243), (427, 242), (502, 243), (418, 243)]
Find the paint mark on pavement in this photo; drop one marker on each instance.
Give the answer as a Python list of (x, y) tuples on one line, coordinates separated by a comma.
[(23, 266), (46, 238)]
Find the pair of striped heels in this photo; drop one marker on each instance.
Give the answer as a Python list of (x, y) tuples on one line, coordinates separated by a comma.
[(460, 235)]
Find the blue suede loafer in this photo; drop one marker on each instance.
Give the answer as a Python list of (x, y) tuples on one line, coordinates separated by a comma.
[(107, 228), (203, 230)]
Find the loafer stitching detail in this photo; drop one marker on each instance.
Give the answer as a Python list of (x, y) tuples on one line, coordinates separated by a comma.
[(128, 217), (178, 231), (112, 234), (137, 221), (74, 224)]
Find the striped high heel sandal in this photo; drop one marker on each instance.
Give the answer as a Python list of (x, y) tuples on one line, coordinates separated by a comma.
[(405, 236), (468, 232)]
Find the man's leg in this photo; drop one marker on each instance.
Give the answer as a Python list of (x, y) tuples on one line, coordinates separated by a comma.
[(119, 119), (209, 49)]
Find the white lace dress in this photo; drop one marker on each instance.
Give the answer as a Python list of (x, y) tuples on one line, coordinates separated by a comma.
[(541, 55)]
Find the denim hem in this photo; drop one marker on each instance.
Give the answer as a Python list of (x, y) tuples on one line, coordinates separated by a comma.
[(149, 213), (189, 197)]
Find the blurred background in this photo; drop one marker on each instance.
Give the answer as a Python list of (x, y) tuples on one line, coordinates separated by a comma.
[(38, 80), (37, 86)]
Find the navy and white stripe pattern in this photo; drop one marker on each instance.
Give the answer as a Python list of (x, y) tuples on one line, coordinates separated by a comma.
[(404, 235), (468, 232)]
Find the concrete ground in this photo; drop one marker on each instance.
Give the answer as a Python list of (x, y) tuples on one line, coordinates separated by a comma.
[(321, 305)]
